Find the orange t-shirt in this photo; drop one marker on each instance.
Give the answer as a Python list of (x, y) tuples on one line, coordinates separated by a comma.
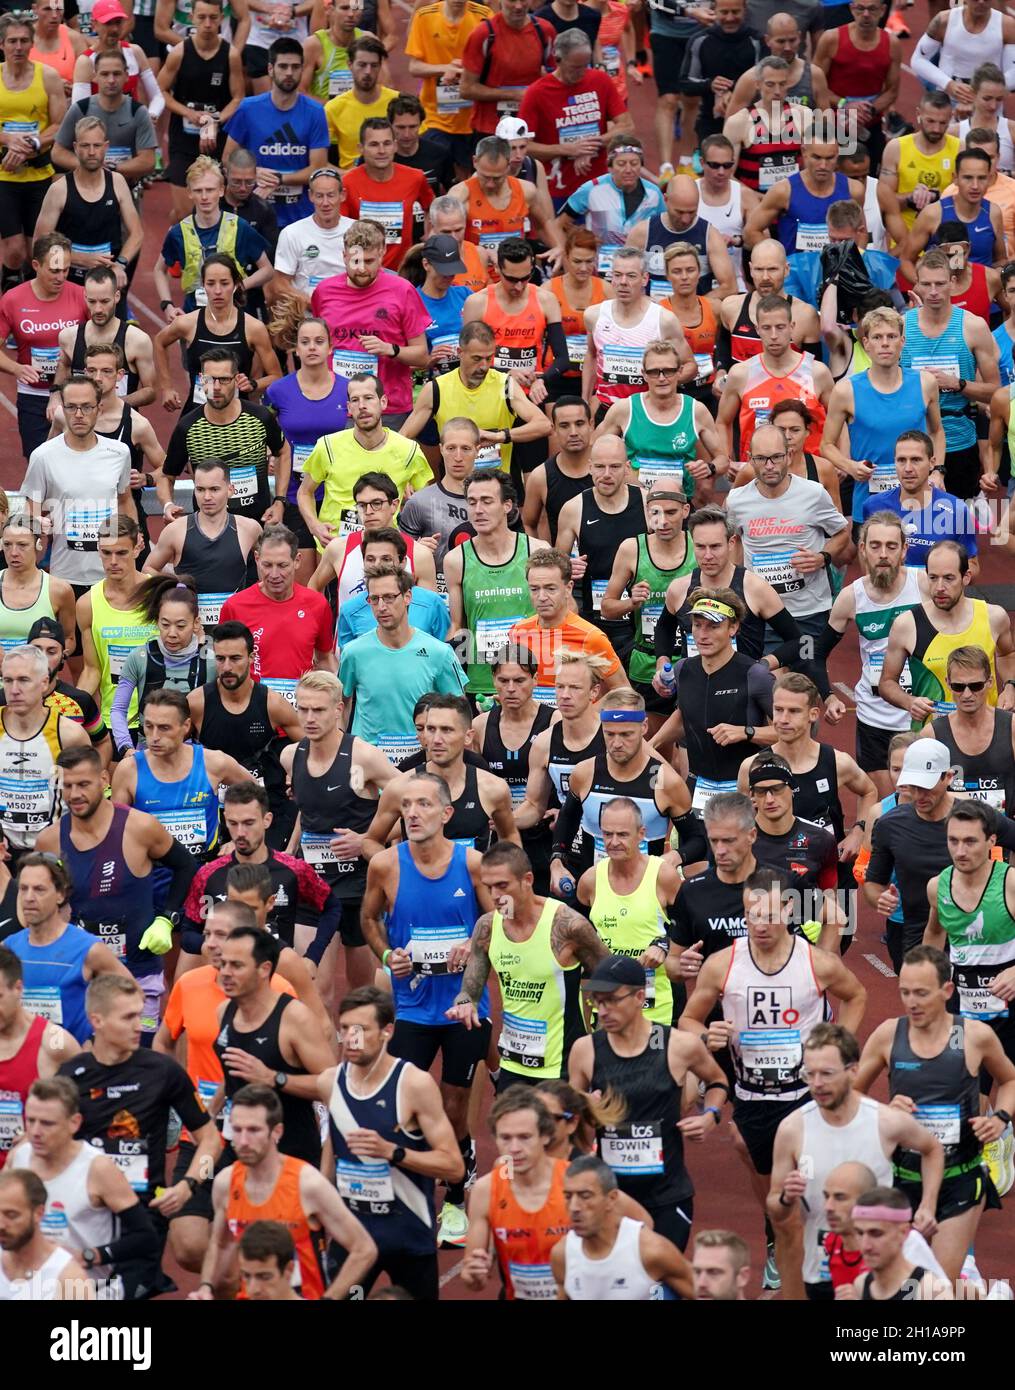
[(574, 634), (393, 204), (432, 38), (523, 1239), (283, 1205)]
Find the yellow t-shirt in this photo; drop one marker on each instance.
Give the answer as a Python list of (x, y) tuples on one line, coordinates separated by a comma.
[(433, 39), (339, 459), (346, 115)]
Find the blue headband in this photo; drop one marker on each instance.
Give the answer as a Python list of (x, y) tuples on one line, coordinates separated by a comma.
[(622, 716)]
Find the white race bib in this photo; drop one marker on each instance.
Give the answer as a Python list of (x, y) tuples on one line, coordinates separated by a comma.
[(209, 608), (492, 636), (449, 98), (622, 365), (348, 363), (771, 1057), (364, 1182), (397, 747), (650, 615), (430, 947), (776, 567), (811, 236), (634, 1150), (943, 1121), (339, 82), (705, 789), (979, 1002), (532, 1282), (523, 1040), (244, 480), (391, 217), (316, 849), (652, 471)]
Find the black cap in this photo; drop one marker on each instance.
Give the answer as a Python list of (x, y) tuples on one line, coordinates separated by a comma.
[(613, 973), (444, 254), (47, 627)]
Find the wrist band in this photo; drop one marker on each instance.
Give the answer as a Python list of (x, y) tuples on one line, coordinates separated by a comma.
[(384, 958), (712, 1110)]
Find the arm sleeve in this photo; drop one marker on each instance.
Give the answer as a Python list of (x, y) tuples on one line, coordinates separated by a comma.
[(667, 634), (692, 80), (760, 683), (176, 454), (568, 823), (137, 1241), (784, 625), (327, 926), (723, 351), (193, 916), (827, 642), (691, 837), (184, 866), (125, 688), (882, 860), (558, 346), (926, 69)]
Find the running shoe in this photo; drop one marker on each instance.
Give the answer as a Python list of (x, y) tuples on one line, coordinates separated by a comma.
[(1008, 1161), (454, 1227), (972, 1275), (770, 1278), (895, 24), (993, 1157)]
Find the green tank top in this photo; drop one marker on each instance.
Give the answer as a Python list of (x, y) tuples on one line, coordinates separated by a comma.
[(334, 76), (643, 658), (115, 634), (860, 361), (628, 924), (661, 452), (539, 997), (16, 623), (495, 597), (981, 943)]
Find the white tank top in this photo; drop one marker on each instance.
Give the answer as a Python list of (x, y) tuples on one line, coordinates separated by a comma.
[(825, 1147), (771, 1017), (874, 620), (962, 52), (728, 219), (69, 1218), (877, 236), (1006, 159), (619, 350), (620, 1278), (42, 1287)]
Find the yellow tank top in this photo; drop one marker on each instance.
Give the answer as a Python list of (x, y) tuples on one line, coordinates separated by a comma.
[(928, 664), (115, 634), (629, 923), (936, 171), (26, 113), (539, 997), (487, 405)]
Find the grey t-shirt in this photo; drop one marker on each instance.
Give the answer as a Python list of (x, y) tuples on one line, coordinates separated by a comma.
[(807, 14), (78, 488), (129, 127), (771, 529), (433, 511)]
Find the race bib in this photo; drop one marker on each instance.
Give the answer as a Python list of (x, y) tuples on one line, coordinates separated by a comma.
[(339, 82), (117, 154), (300, 454), (874, 667), (928, 362), (199, 395), (348, 522), (131, 1157), (770, 1057), (978, 1002), (397, 747), (111, 934), (811, 236), (604, 262), (634, 1150), (598, 594), (621, 365), (523, 1041), (705, 789), (244, 480), (187, 825), (430, 947), (577, 348), (45, 361), (316, 849), (775, 566), (652, 471), (82, 524), (943, 1121), (706, 368), (450, 99), (359, 1181), (516, 359), (492, 636), (104, 248), (285, 688), (650, 615), (532, 1282), (391, 217), (348, 363), (975, 791), (545, 695), (508, 108), (209, 608), (488, 456), (773, 169), (11, 1121), (611, 60), (884, 477)]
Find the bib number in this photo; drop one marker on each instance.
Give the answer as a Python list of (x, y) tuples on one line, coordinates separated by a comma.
[(634, 1150), (431, 947), (770, 1058), (943, 1121), (364, 1182), (523, 1041)]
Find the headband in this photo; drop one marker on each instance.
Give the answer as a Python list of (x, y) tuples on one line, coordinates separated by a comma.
[(881, 1214), (712, 605), (622, 716), (661, 494), (769, 772), (626, 149)]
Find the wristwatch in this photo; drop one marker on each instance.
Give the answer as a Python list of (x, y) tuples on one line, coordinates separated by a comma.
[(281, 1077), (749, 732), (397, 1155), (1006, 684), (962, 384), (712, 470), (164, 304), (1003, 1115), (89, 1257), (192, 1183), (395, 350)]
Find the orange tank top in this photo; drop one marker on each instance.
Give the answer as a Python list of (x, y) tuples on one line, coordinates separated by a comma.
[(476, 276), (700, 340), (763, 392), (283, 1205), (487, 225), (573, 321), (523, 1239), (519, 336), (61, 59)]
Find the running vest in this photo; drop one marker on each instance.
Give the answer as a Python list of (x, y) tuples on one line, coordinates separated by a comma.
[(620, 1277), (285, 1207), (600, 536), (26, 112), (115, 634), (701, 341), (16, 623), (519, 336), (523, 1239), (947, 352), (133, 70), (512, 764), (334, 76), (326, 806), (107, 898), (980, 232), (216, 565), (768, 160), (660, 450), (827, 1146), (641, 790), (902, 1294), (628, 924), (642, 665), (44, 1283), (539, 996), (981, 944), (489, 226), (947, 1097), (128, 380), (235, 339), (16, 1076), (934, 171), (429, 918), (573, 320), (729, 220), (301, 1136), (859, 74), (802, 227), (55, 981), (879, 417), (975, 299), (203, 85), (560, 763), (963, 52), (762, 392), (188, 808), (988, 776), (394, 1204), (620, 349), (816, 796), (928, 662), (744, 340), (124, 432), (155, 675), (194, 252), (69, 1218), (488, 404), (1002, 128), (560, 488), (874, 622), (244, 736), (659, 238), (750, 639), (768, 1050), (469, 826), (91, 224), (494, 598), (29, 785), (646, 1152), (61, 59)]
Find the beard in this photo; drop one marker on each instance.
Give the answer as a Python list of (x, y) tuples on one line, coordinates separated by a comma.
[(883, 579)]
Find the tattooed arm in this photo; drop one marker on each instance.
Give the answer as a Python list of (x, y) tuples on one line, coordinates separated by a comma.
[(477, 972), (573, 937)]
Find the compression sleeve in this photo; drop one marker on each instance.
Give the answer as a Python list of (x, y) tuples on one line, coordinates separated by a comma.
[(81, 91), (118, 716), (327, 926), (784, 625), (723, 351), (152, 90), (569, 819), (924, 66), (691, 836), (760, 684), (828, 640), (137, 1240), (558, 346), (183, 866), (667, 634)]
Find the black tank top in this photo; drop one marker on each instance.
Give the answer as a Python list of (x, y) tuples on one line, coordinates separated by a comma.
[(660, 238), (988, 776), (328, 804), (216, 565), (202, 83), (560, 489), (205, 339), (816, 793), (470, 824), (124, 432), (751, 634), (301, 1136), (705, 700), (600, 536), (246, 736), (91, 224), (943, 1081), (77, 361), (512, 764), (561, 761), (901, 1294), (744, 338), (649, 1138), (812, 468)]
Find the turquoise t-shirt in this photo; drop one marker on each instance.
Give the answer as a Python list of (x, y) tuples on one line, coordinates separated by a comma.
[(387, 682)]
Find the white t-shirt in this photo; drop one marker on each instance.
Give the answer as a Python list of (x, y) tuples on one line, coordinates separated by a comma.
[(79, 488), (308, 253)]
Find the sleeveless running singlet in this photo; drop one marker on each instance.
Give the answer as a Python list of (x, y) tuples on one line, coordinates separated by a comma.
[(928, 662), (629, 923), (115, 634), (494, 598), (285, 1207), (540, 999), (216, 565), (768, 1050), (108, 899), (523, 1239), (769, 158), (327, 803), (16, 623), (29, 785), (619, 352), (874, 621), (16, 1076), (642, 665), (660, 450), (988, 776)]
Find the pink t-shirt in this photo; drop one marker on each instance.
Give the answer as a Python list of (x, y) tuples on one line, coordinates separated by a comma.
[(37, 324), (287, 633), (391, 309)]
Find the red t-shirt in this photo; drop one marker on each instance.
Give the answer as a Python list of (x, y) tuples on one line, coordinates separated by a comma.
[(557, 114), (392, 204), (286, 633), (37, 324), (518, 56)]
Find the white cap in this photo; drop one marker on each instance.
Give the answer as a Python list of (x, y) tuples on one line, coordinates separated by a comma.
[(511, 128), (925, 763)]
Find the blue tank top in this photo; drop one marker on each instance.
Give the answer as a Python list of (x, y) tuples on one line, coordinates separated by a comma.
[(947, 353), (1004, 348), (189, 810), (54, 975), (980, 232), (802, 226), (109, 900), (304, 422), (657, 241), (396, 1206), (431, 915), (879, 417)]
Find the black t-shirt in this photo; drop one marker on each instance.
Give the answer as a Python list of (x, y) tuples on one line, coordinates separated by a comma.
[(810, 853), (709, 911), (125, 1111)]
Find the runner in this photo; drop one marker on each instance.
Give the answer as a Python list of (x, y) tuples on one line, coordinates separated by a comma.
[(267, 1262), (136, 387), (48, 635), (565, 474), (980, 739), (109, 620), (882, 1219), (30, 1048), (720, 1263), (32, 1267), (738, 337)]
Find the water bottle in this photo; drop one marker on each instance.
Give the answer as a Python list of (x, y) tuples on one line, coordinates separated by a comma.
[(667, 678), (567, 886)]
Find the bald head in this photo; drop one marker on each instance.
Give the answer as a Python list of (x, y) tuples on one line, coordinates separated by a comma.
[(608, 448), (766, 440), (768, 266), (851, 1177), (682, 199)]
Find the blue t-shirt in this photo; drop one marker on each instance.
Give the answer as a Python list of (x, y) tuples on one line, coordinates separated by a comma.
[(445, 320), (427, 611), (250, 247), (1004, 347), (945, 518), (281, 140)]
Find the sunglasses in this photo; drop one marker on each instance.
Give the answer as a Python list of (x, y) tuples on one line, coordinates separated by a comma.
[(660, 371), (718, 164), (960, 687)]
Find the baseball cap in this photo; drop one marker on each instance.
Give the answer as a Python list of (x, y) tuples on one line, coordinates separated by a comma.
[(510, 128), (47, 627), (613, 973), (105, 11), (443, 253), (925, 763)]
